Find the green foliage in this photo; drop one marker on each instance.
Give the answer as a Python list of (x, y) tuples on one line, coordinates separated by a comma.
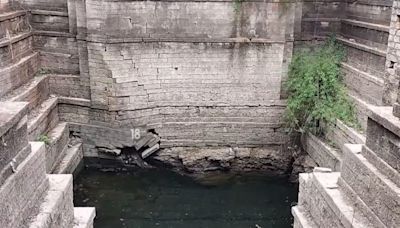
[(45, 139), (317, 95), (237, 4), (43, 71)]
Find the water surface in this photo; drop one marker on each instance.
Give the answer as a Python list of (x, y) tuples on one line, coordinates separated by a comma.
[(160, 198)]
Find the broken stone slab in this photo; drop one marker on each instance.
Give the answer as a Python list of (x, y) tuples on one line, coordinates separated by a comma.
[(150, 151)]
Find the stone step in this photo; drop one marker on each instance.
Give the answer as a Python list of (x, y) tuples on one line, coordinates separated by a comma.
[(35, 91), (365, 58), (361, 108), (12, 14), (358, 45), (15, 47), (69, 85), (367, 25), (341, 134), (383, 135), (375, 189), (12, 23), (363, 85), (49, 20), (149, 151), (13, 130), (57, 209), (366, 33), (327, 204), (19, 73), (59, 63), (323, 154), (70, 162), (372, 11), (302, 218), (43, 118), (57, 146), (83, 217), (22, 192)]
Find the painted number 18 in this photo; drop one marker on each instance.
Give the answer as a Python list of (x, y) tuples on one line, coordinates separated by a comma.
[(135, 133)]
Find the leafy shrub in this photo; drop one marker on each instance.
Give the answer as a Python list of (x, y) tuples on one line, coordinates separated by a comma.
[(45, 139), (317, 95)]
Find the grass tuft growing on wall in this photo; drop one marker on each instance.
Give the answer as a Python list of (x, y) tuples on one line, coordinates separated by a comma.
[(317, 95)]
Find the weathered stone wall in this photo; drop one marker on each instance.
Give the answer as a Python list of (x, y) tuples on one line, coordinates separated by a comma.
[(317, 19), (199, 73)]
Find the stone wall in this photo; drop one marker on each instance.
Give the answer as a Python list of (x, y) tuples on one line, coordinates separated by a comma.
[(196, 73)]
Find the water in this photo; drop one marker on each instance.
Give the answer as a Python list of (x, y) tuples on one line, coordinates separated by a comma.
[(160, 198)]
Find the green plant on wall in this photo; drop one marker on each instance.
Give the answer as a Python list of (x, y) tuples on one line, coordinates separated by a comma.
[(237, 4), (317, 95), (44, 138)]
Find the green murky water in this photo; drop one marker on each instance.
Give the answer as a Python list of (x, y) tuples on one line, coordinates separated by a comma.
[(160, 198)]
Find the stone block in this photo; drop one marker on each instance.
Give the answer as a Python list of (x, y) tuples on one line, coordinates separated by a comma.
[(84, 217), (43, 118), (22, 191), (323, 154), (383, 136), (13, 130), (58, 146), (57, 209), (377, 191)]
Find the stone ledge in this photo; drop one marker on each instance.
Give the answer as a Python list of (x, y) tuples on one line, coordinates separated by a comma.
[(384, 116), (58, 145), (74, 101), (38, 123), (14, 39), (11, 15), (71, 160), (111, 40), (323, 154), (11, 113), (84, 216), (363, 47), (362, 84), (381, 165), (49, 13), (366, 25), (341, 134), (376, 190), (53, 34), (22, 191), (302, 219), (57, 207)]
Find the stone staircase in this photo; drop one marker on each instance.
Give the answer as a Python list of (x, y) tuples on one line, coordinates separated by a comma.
[(366, 193), (32, 197), (36, 185), (360, 186), (365, 40)]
